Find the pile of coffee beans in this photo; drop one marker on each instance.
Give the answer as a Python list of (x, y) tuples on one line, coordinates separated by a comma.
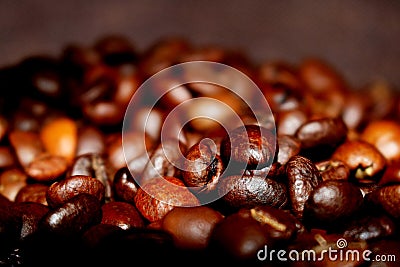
[(322, 167)]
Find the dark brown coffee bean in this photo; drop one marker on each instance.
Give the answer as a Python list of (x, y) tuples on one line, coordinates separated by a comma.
[(97, 235), (30, 214), (250, 146), (94, 165), (47, 167), (61, 191), (202, 168), (11, 181), (370, 227), (35, 192), (333, 170), (125, 186), (365, 162), (385, 136), (332, 202), (387, 198), (391, 174), (324, 132), (74, 216), (250, 191), (121, 214), (27, 146), (303, 176), (239, 237), (158, 196), (191, 227), (288, 146)]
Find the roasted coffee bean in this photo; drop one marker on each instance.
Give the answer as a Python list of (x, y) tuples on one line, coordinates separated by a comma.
[(385, 136), (370, 227), (47, 167), (30, 214), (333, 170), (391, 174), (121, 214), (74, 216), (203, 167), (26, 145), (61, 191), (365, 162), (191, 227), (331, 202), (59, 137), (95, 236), (289, 146), (94, 165), (303, 176), (11, 181), (387, 198), (289, 121), (115, 50), (125, 186), (90, 140), (35, 192), (7, 157), (250, 191), (250, 146), (322, 133), (158, 196)]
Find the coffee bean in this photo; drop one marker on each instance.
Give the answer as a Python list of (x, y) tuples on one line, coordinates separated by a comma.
[(391, 174), (30, 214), (365, 162), (289, 146), (332, 202), (11, 181), (125, 186), (35, 192), (61, 191), (333, 170), (387, 198), (26, 145), (250, 146), (47, 167), (90, 140), (303, 176), (121, 214), (191, 227), (7, 157)]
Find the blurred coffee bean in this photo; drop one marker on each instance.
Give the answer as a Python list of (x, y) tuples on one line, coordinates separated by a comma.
[(387, 198), (34, 192), (61, 191), (121, 214), (47, 167), (59, 137), (385, 136), (90, 140), (289, 121), (3, 127), (364, 160), (191, 227), (115, 50), (391, 174), (11, 182), (333, 170), (332, 202), (250, 146), (288, 146), (7, 157), (303, 176), (26, 145)]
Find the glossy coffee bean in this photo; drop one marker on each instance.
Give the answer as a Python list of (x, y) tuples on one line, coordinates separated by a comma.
[(124, 185), (157, 197), (203, 167), (331, 202), (35, 192), (191, 227), (73, 217), (121, 214), (323, 132), (96, 166), (303, 176), (333, 170), (250, 191), (365, 162), (61, 191), (387, 198), (385, 136), (250, 146), (47, 167)]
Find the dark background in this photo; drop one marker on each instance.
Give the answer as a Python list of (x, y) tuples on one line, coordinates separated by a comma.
[(360, 38)]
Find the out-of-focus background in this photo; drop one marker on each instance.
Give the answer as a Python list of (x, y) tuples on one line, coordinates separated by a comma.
[(360, 38)]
